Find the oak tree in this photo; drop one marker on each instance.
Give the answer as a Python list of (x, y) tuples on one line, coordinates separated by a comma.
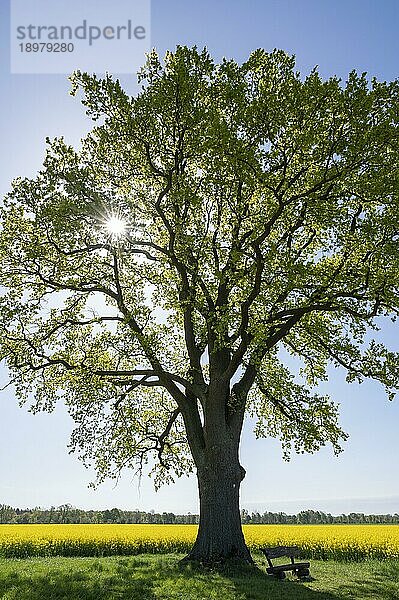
[(156, 278)]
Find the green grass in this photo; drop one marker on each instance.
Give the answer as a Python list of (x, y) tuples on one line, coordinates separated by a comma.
[(149, 577)]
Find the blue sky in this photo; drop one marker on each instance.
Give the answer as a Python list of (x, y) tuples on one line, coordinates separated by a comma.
[(338, 36)]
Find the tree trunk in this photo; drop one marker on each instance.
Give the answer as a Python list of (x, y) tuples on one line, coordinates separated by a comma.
[(220, 535)]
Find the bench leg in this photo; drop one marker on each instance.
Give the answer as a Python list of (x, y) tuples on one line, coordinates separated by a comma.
[(302, 572), (280, 575)]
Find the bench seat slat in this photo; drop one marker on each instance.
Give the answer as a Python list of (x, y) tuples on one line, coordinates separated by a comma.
[(290, 567)]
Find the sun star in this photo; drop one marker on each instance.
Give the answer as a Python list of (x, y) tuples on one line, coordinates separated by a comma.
[(115, 226)]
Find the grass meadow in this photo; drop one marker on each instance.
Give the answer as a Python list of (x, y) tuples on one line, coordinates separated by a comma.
[(160, 577)]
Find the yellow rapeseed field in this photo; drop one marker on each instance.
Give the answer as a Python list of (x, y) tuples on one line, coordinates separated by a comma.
[(341, 542)]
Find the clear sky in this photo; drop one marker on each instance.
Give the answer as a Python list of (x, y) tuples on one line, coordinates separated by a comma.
[(338, 36)]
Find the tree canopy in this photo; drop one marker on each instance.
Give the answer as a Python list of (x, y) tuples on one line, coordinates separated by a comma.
[(224, 214)]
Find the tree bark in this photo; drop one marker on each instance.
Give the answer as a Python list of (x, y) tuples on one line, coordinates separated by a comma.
[(220, 535)]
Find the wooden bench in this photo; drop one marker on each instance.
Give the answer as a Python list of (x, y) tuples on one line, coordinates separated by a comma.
[(301, 569)]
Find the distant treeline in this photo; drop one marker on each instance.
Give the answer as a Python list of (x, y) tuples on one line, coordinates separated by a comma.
[(316, 517), (66, 513)]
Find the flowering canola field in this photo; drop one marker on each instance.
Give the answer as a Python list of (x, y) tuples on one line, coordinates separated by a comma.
[(340, 542)]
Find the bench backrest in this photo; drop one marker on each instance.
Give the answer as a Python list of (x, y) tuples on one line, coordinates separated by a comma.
[(278, 551)]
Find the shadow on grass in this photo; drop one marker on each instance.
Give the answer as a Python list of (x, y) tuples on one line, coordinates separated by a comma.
[(93, 582), (162, 578), (252, 583)]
